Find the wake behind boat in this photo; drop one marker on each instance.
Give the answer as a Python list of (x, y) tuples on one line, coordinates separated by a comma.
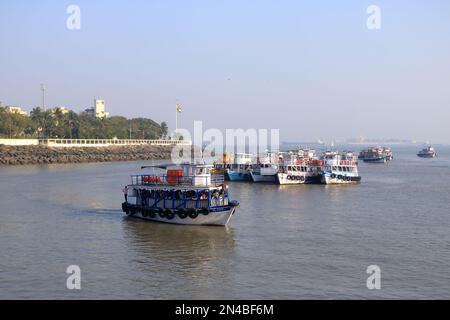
[(186, 194)]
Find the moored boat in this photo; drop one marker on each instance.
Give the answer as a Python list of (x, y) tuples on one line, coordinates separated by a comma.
[(294, 170), (300, 169), (340, 168), (264, 172), (266, 168), (186, 194), (238, 167), (238, 172)]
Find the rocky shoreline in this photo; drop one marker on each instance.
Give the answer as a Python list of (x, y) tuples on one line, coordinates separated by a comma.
[(22, 155)]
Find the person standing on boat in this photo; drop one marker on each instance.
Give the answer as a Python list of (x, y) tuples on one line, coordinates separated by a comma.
[(125, 193)]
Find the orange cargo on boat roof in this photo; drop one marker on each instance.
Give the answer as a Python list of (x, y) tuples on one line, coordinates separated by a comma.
[(173, 175), (174, 172), (316, 162)]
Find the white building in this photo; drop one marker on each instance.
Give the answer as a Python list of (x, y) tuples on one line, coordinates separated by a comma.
[(98, 110)]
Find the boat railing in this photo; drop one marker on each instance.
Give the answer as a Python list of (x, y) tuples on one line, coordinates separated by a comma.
[(164, 180), (174, 200)]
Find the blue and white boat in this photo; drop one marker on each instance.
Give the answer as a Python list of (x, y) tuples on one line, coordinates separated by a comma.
[(428, 152), (186, 194), (238, 172), (339, 168), (376, 155), (235, 167), (239, 169)]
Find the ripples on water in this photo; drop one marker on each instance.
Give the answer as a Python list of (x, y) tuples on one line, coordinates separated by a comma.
[(284, 242)]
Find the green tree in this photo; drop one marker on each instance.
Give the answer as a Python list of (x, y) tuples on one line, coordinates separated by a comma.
[(164, 130), (59, 124), (37, 116), (14, 125)]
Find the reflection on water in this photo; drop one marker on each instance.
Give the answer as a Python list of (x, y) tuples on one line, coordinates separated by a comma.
[(191, 253), (189, 248)]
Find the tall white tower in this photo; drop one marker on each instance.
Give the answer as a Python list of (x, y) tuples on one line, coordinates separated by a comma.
[(99, 108)]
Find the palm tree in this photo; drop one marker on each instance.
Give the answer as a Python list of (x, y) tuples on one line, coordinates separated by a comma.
[(71, 125), (38, 118)]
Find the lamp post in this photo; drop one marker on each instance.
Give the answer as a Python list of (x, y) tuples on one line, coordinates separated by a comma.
[(43, 108), (130, 128), (177, 111), (43, 96)]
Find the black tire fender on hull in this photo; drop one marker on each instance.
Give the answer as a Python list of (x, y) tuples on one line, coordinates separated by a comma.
[(167, 213), (192, 213)]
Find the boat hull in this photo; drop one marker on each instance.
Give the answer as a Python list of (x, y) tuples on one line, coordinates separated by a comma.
[(339, 179), (429, 156), (375, 160), (286, 179), (263, 178), (216, 217), (238, 176)]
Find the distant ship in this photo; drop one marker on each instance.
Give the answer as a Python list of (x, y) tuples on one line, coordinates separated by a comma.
[(427, 152), (376, 155)]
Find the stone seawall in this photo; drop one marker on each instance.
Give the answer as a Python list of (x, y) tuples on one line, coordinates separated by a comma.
[(20, 155)]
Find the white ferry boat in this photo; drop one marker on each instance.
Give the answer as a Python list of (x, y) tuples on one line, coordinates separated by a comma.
[(266, 168), (264, 172), (339, 168), (294, 170), (186, 194)]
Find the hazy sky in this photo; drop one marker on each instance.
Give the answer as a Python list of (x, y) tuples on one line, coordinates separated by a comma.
[(310, 68)]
